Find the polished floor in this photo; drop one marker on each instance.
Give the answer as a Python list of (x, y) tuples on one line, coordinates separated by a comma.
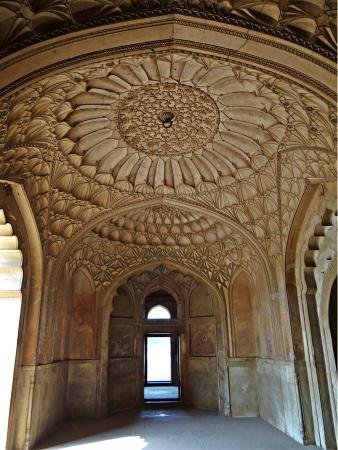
[(170, 429)]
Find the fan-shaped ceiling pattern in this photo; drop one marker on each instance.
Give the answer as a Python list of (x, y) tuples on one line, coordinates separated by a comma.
[(311, 23), (163, 225), (171, 127), (226, 124)]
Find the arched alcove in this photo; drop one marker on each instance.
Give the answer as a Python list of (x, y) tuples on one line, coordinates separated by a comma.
[(243, 316), (310, 271), (82, 313), (21, 268), (10, 308), (244, 348), (197, 321), (158, 312), (81, 346), (122, 370), (163, 302)]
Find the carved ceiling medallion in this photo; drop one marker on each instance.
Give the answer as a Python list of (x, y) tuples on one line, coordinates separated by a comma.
[(191, 114), (224, 123)]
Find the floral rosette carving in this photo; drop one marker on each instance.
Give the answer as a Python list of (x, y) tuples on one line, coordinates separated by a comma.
[(227, 123)]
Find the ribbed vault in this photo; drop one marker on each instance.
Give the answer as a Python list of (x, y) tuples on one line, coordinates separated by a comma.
[(309, 23), (262, 137), (189, 147)]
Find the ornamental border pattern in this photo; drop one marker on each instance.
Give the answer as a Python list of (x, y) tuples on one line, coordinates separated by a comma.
[(191, 12), (178, 21), (173, 44)]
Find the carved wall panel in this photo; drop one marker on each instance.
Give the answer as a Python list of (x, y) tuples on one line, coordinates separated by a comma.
[(123, 375), (200, 302), (121, 341), (82, 325), (202, 339), (203, 383), (243, 314), (269, 318), (122, 304)]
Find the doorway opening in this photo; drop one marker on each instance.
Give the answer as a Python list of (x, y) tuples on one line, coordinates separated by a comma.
[(161, 375), (161, 348)]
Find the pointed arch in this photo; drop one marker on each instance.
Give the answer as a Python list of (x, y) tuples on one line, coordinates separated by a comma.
[(243, 312), (23, 292), (309, 255), (168, 285)]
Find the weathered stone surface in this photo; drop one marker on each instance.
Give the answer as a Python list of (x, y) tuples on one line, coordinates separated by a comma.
[(203, 383), (82, 389), (278, 396), (243, 388), (123, 384)]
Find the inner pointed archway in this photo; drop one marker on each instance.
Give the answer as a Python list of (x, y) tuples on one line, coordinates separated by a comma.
[(166, 358), (161, 348), (10, 308)]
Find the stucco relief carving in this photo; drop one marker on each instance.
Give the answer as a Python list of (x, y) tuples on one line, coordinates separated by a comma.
[(141, 119), (203, 339), (162, 275), (321, 253), (107, 260), (121, 341), (163, 225), (59, 135), (307, 23), (199, 152), (316, 163)]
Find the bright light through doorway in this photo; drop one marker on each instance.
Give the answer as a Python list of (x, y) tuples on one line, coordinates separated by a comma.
[(158, 358), (159, 312)]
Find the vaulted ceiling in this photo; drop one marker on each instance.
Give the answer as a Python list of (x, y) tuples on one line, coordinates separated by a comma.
[(311, 23), (181, 153)]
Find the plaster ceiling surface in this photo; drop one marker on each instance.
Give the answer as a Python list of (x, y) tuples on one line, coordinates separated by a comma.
[(311, 23), (227, 124), (240, 147), (163, 225), (107, 260)]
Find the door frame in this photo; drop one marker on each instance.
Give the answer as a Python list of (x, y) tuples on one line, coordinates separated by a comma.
[(175, 362)]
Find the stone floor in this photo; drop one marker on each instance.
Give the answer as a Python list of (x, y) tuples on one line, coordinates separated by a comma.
[(170, 429)]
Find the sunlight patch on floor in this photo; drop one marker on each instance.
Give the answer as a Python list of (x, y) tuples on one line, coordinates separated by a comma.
[(123, 443)]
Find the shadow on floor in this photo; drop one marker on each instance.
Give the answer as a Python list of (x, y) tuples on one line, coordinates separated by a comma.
[(166, 429), (83, 428)]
